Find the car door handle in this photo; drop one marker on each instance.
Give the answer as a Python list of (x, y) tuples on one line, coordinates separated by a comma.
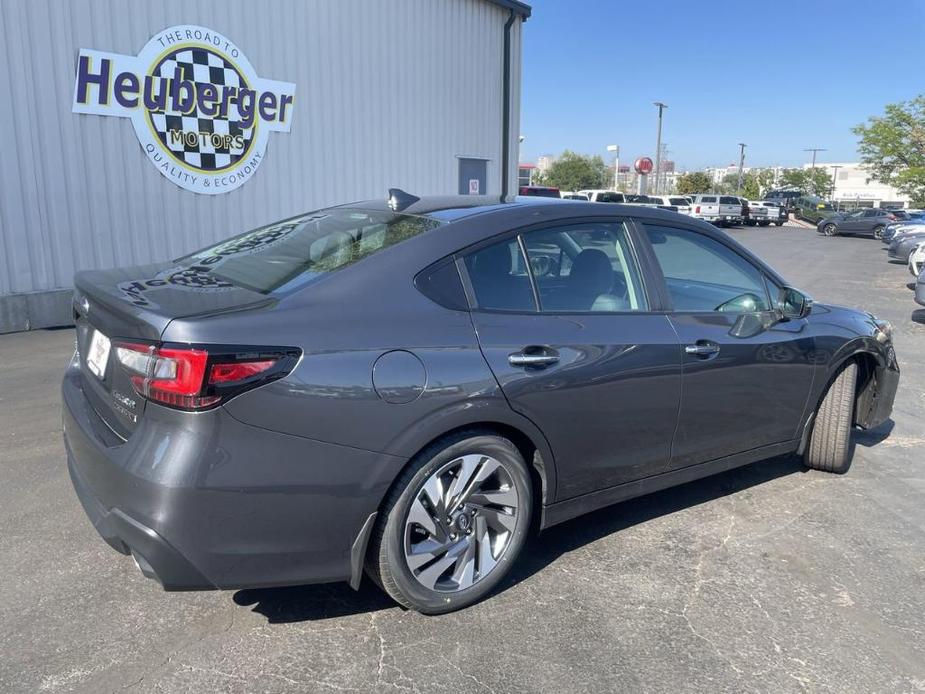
[(702, 349), (533, 356)]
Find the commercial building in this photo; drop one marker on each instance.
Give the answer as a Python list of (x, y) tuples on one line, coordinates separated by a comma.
[(139, 133), (853, 186)]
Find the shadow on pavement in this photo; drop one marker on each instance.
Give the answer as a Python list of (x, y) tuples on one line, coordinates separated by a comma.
[(313, 603), (319, 602)]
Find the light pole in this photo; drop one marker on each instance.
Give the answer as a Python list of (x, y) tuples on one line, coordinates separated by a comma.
[(812, 168), (616, 165), (835, 168), (658, 144), (742, 147)]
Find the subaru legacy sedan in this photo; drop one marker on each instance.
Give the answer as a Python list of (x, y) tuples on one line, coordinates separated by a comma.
[(406, 389)]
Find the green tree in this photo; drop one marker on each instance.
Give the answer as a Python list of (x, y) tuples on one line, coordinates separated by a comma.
[(693, 183), (892, 146), (807, 181), (573, 171)]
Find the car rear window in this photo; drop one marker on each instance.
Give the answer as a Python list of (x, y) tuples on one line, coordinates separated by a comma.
[(678, 201), (726, 200), (289, 254), (708, 198)]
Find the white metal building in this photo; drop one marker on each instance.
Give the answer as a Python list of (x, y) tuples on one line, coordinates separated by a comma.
[(138, 132), (854, 186)]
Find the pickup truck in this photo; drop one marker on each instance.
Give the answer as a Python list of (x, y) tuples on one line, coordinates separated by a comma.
[(718, 209), (598, 195), (682, 203), (767, 213)]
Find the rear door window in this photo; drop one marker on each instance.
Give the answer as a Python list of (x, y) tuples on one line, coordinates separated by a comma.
[(585, 268), (708, 198), (499, 278)]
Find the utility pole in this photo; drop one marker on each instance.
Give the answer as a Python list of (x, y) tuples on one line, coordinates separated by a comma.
[(835, 169), (658, 144), (616, 165), (742, 147), (812, 167)]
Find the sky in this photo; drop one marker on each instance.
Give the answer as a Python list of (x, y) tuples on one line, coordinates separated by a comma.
[(778, 75)]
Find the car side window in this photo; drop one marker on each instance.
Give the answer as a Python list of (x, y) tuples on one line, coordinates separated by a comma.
[(585, 268), (703, 274), (499, 278)]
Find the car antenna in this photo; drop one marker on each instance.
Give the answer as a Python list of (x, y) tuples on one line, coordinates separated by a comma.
[(399, 199)]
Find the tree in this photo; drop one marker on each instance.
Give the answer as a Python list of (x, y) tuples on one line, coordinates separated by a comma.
[(807, 181), (693, 183), (573, 171), (892, 146)]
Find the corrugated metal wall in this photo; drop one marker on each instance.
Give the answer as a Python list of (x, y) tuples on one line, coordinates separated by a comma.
[(388, 93)]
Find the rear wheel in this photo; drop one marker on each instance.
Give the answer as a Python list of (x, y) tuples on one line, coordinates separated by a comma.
[(878, 231), (830, 229), (454, 523), (829, 446)]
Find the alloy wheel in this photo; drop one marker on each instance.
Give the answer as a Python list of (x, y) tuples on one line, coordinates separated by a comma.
[(829, 230), (460, 523), (878, 233)]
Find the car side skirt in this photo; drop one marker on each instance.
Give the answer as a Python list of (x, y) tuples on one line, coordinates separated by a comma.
[(572, 508)]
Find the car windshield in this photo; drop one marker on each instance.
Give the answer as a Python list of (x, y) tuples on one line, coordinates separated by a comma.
[(292, 253)]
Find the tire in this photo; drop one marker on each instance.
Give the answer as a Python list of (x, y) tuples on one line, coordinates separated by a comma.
[(780, 224), (830, 229), (829, 447), (425, 587), (878, 232), (764, 224)]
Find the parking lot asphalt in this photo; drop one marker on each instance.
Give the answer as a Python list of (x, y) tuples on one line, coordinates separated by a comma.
[(766, 578)]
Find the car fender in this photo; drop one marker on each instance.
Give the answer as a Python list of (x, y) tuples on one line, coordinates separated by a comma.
[(486, 411)]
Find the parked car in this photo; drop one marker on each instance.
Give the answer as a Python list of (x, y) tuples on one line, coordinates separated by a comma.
[(901, 248), (784, 198), (539, 191), (897, 230), (871, 221), (917, 259), (598, 195), (718, 209), (680, 203), (813, 209), (396, 387), (773, 213)]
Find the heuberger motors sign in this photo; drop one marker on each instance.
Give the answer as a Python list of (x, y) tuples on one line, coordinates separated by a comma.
[(201, 113)]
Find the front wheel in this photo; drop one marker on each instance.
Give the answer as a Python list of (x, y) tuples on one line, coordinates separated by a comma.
[(829, 446), (878, 232), (453, 524), (830, 229)]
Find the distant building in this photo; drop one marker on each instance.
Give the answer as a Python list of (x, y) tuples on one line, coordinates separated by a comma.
[(525, 174), (855, 187), (543, 162)]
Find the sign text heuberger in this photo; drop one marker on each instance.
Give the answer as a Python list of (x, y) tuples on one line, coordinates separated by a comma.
[(201, 113)]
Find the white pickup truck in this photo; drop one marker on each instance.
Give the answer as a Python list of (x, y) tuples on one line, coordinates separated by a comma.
[(718, 209), (600, 195)]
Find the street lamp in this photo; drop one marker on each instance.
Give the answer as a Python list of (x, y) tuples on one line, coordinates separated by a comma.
[(835, 168), (742, 147), (658, 144), (616, 165), (812, 168)]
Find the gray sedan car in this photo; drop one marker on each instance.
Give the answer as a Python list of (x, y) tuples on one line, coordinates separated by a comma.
[(407, 389), (901, 249)]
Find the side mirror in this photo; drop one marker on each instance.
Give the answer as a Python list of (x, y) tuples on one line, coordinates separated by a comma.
[(793, 303)]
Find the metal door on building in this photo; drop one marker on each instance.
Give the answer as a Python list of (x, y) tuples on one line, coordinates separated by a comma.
[(473, 176)]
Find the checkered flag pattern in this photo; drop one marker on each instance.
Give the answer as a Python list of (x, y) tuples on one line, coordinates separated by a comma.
[(201, 66)]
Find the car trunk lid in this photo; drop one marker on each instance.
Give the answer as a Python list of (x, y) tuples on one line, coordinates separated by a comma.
[(136, 305)]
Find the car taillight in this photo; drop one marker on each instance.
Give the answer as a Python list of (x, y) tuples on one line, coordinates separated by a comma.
[(697, 209), (196, 378)]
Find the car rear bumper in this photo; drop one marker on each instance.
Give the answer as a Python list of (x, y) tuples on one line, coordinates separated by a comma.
[(202, 500), (874, 409)]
